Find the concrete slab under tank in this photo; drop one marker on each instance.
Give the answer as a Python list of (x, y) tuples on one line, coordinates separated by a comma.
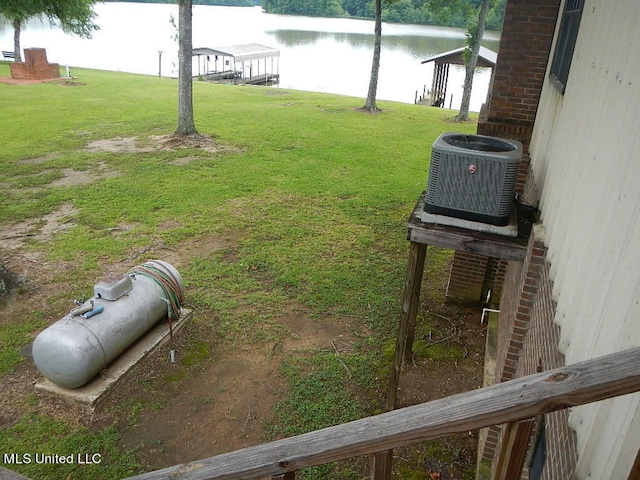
[(92, 395)]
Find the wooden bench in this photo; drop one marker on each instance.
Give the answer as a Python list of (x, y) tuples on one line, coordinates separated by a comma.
[(8, 55)]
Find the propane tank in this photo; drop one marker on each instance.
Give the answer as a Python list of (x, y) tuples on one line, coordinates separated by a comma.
[(73, 350)]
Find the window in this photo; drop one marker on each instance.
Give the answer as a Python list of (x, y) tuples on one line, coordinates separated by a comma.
[(566, 43)]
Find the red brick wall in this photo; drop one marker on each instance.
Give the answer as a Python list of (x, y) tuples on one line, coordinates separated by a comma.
[(527, 341), (493, 280), (518, 290), (525, 44), (541, 349), (527, 335), (517, 80), (467, 277), (35, 66)]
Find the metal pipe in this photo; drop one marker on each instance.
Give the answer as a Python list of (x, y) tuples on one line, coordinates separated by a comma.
[(484, 312)]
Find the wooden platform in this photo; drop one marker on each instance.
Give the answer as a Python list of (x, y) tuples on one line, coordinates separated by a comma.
[(465, 235), (424, 230), (263, 79), (230, 77)]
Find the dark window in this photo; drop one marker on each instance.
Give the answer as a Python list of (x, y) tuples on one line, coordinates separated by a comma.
[(566, 43)]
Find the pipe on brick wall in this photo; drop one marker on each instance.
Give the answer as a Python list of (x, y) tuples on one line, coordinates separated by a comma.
[(485, 311)]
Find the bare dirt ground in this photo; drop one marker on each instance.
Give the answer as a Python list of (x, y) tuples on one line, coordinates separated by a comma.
[(170, 414)]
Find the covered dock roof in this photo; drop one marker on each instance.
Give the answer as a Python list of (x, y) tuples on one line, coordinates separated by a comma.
[(240, 53), (486, 57), (442, 61)]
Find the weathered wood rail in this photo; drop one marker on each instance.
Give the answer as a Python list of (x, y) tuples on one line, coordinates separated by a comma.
[(585, 382)]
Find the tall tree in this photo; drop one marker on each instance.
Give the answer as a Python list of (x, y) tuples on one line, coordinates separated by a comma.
[(370, 103), (474, 37), (73, 16), (186, 125)]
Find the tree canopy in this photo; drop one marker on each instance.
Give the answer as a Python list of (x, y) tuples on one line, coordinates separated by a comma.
[(450, 13), (73, 16), (224, 3)]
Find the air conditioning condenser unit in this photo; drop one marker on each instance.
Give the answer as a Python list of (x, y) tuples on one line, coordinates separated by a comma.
[(473, 177)]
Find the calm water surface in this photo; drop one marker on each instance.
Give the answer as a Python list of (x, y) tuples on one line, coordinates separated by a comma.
[(316, 54)]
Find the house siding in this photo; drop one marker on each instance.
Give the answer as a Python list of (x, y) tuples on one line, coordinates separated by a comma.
[(585, 157)]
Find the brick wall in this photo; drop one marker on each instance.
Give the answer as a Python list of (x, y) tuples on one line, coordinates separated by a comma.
[(540, 350), (494, 278), (527, 335), (525, 44), (467, 277), (516, 302), (472, 276), (516, 85), (35, 66), (527, 343)]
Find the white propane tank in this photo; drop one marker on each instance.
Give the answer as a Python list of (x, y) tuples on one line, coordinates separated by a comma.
[(73, 350)]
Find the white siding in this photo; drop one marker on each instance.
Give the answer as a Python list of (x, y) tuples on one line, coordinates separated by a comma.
[(586, 161)]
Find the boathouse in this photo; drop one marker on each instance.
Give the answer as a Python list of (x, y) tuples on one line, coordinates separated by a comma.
[(442, 62), (239, 64)]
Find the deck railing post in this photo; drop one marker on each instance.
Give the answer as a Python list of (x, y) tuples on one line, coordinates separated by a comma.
[(513, 453), (285, 476), (382, 462)]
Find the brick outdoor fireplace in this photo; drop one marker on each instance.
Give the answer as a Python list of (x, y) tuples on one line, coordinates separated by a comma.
[(35, 66)]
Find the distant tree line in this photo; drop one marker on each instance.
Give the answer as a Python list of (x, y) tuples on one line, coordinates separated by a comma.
[(224, 3), (448, 13)]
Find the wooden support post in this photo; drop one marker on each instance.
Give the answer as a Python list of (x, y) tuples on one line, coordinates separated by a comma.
[(285, 476), (404, 344), (382, 465), (418, 254), (406, 330), (513, 453)]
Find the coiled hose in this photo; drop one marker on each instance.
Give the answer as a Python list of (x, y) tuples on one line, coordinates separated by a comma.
[(168, 284)]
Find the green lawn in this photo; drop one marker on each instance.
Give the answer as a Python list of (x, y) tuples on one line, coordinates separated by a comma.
[(314, 193)]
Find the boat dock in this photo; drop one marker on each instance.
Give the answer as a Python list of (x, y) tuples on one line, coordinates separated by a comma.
[(249, 64)]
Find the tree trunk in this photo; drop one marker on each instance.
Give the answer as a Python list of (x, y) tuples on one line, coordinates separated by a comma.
[(375, 66), (186, 125), (463, 115), (17, 28)]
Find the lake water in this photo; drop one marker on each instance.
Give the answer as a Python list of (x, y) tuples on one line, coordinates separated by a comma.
[(316, 54)]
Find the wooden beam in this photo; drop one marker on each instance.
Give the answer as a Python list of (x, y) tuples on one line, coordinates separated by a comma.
[(584, 382), (513, 453), (465, 241)]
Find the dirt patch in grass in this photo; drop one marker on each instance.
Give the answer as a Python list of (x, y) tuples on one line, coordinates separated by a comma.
[(206, 143), (117, 145), (219, 394), (15, 236), (220, 404)]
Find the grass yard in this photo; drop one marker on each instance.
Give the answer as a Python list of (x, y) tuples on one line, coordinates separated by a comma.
[(288, 228)]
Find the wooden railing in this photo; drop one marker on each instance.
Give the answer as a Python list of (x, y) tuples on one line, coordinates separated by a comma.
[(508, 402)]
